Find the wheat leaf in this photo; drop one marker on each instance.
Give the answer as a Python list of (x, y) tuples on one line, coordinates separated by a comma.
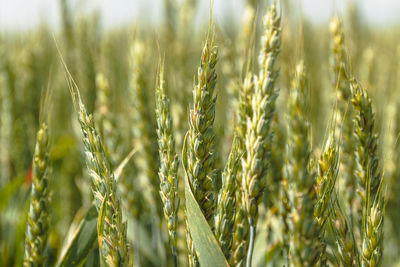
[(207, 248), (82, 241)]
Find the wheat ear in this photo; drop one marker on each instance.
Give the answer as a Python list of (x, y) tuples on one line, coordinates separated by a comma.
[(226, 206), (200, 140), (168, 162), (112, 230), (38, 218), (258, 136), (302, 229)]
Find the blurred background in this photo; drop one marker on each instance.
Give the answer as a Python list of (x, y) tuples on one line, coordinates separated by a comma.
[(120, 38), (23, 15)]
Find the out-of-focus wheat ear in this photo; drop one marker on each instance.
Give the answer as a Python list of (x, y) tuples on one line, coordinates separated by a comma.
[(366, 153), (168, 162), (246, 38), (106, 120), (338, 60), (300, 227), (144, 127), (226, 206), (327, 171), (38, 217), (5, 129), (392, 171), (244, 109), (368, 67), (102, 102)]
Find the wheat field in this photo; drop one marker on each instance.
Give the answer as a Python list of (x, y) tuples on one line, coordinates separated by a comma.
[(272, 141)]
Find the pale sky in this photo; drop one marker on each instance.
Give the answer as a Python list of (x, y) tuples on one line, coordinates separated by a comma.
[(27, 14)]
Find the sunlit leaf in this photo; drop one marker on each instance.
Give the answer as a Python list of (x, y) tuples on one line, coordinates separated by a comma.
[(83, 240)]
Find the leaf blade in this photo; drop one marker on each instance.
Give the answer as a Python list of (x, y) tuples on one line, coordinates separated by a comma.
[(207, 248), (83, 240)]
